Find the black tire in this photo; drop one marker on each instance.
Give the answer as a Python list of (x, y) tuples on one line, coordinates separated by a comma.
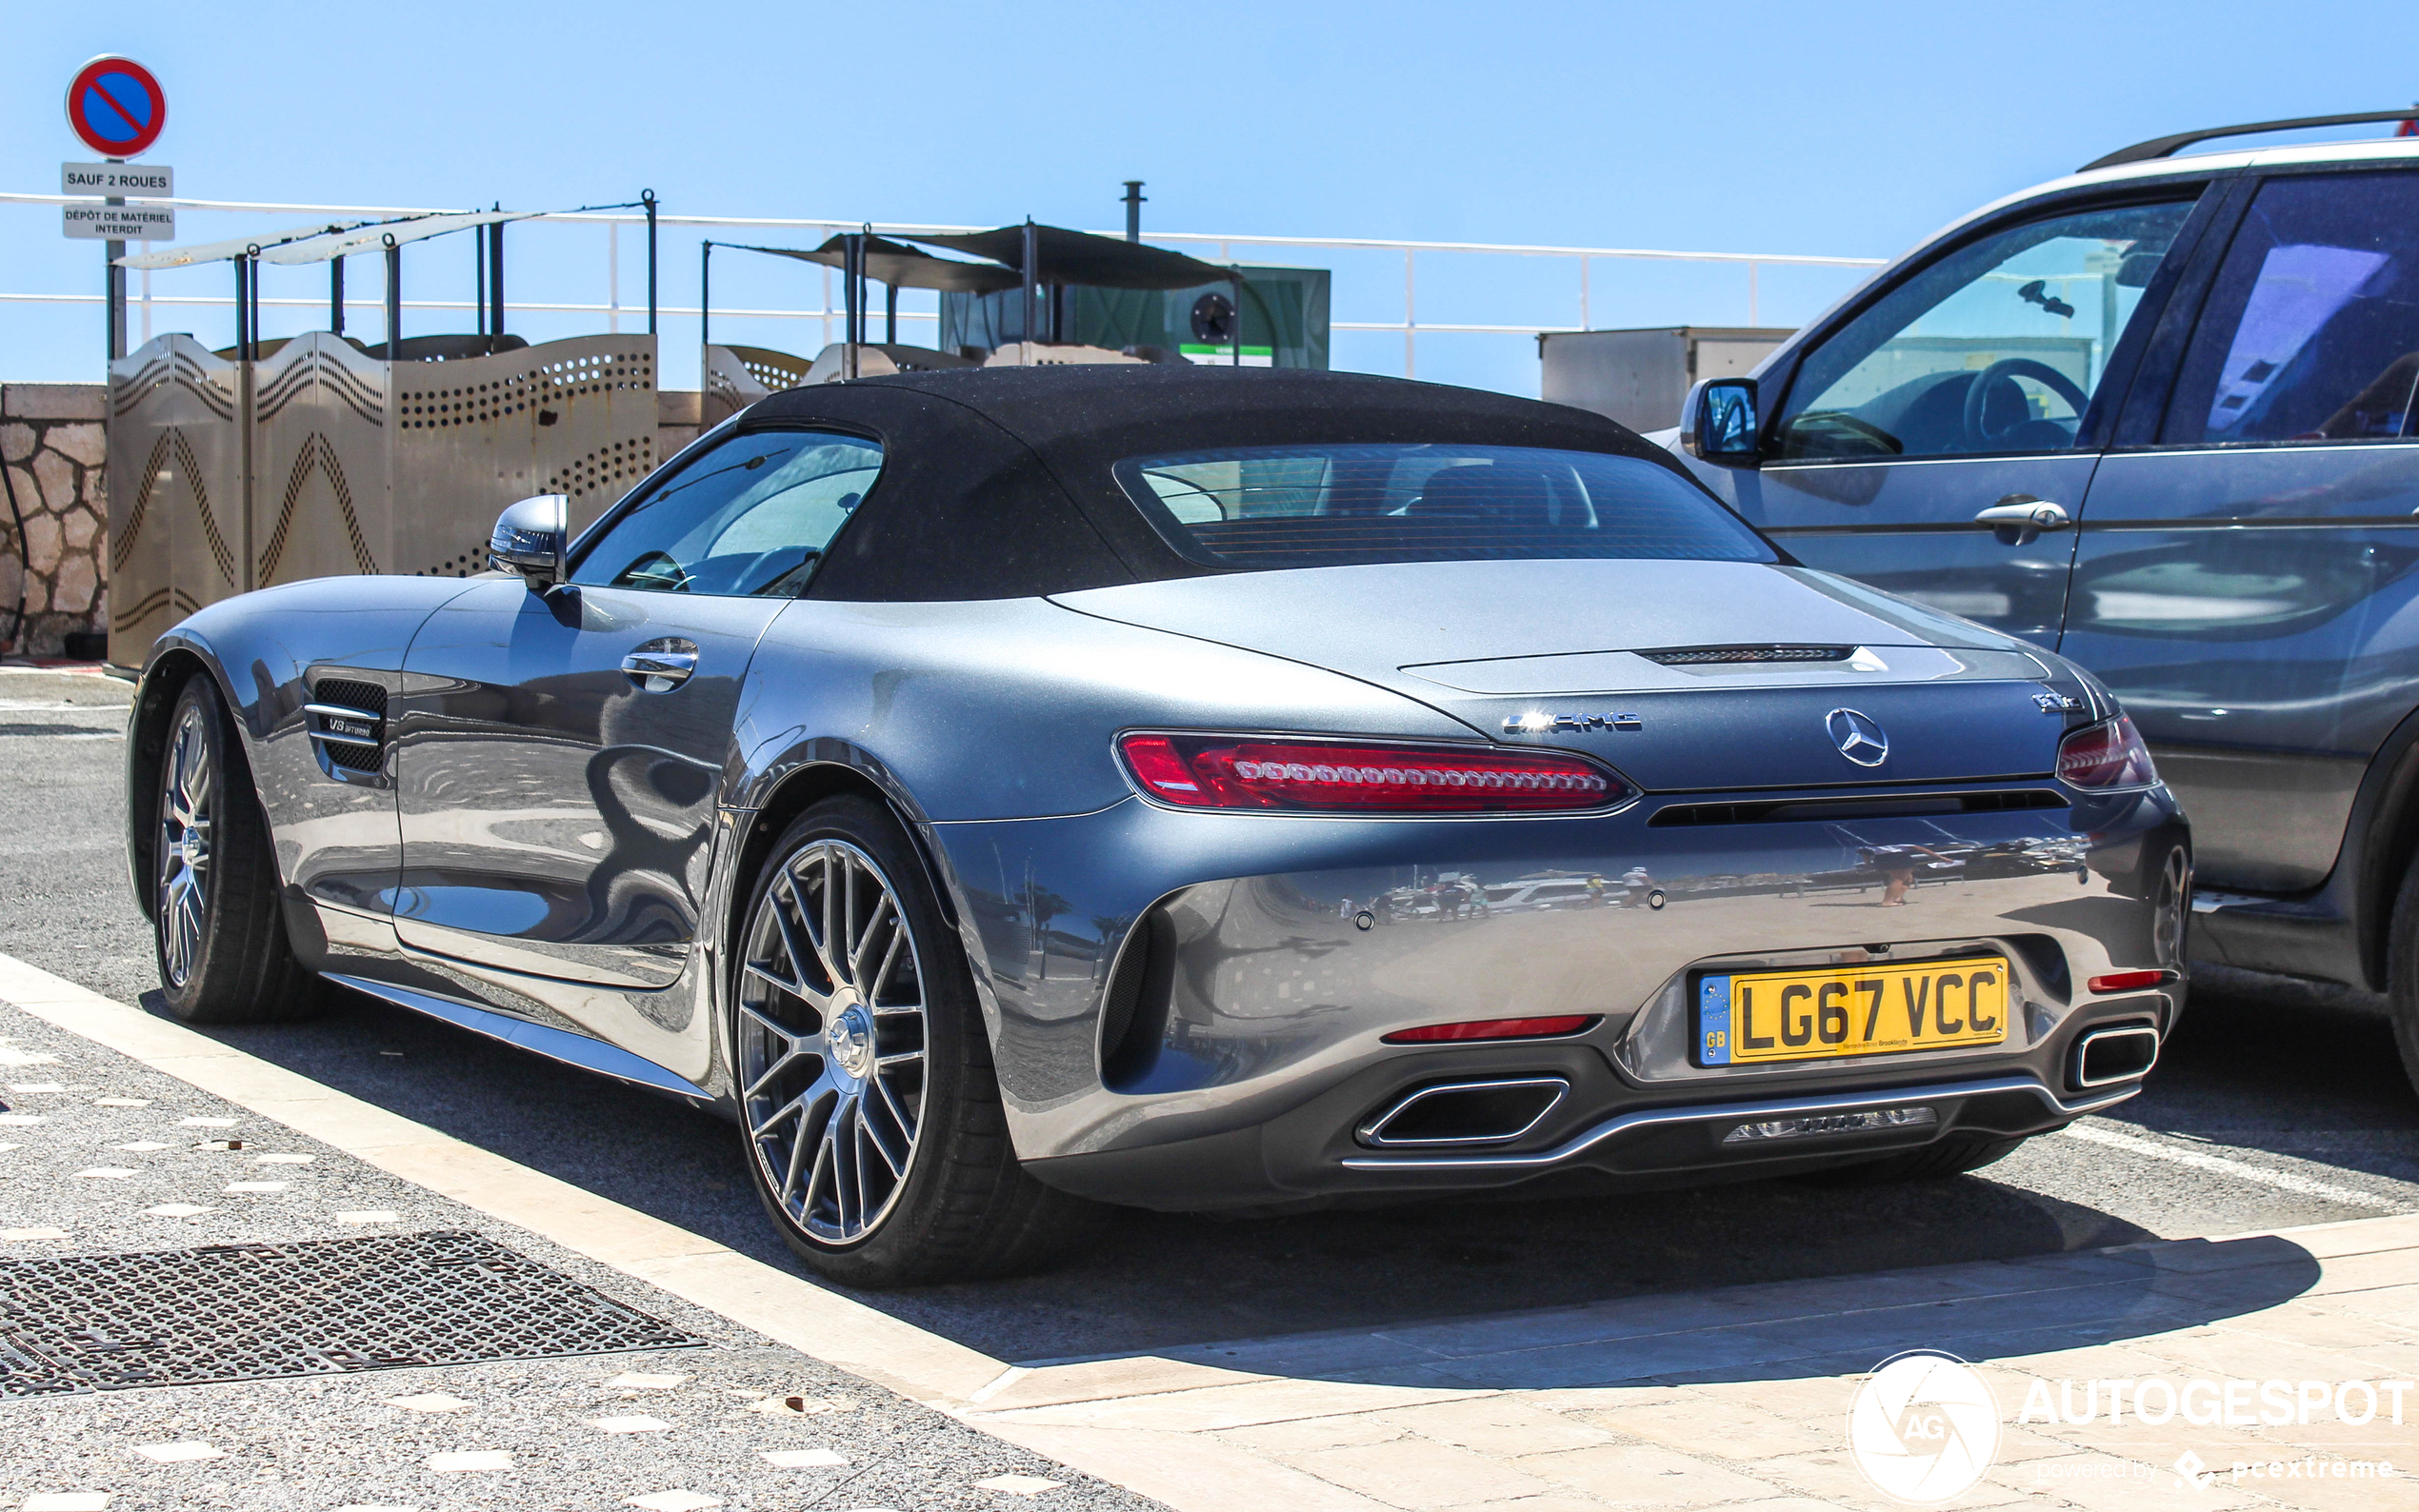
[(2402, 973), (962, 1207), (1954, 1155), (218, 932)]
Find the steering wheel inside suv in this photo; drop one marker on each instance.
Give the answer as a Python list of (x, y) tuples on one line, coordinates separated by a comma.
[(2006, 372)]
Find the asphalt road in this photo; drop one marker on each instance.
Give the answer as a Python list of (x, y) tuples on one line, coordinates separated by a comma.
[(2276, 1103)]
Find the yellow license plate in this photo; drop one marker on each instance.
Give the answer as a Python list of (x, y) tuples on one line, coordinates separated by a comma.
[(1749, 1017)]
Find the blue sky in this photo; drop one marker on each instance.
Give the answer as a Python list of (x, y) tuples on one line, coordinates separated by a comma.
[(1841, 129)]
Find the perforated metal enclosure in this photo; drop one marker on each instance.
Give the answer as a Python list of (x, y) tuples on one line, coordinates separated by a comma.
[(354, 464), (246, 1312)]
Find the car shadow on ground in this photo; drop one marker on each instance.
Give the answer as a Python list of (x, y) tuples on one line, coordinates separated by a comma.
[(1157, 1280), (1790, 1332)]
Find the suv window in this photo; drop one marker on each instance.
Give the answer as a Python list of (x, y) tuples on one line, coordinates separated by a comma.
[(2312, 330), (752, 516), (1996, 347)]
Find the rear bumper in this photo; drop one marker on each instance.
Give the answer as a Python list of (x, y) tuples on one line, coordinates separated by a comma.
[(1185, 1014), (1638, 1149)]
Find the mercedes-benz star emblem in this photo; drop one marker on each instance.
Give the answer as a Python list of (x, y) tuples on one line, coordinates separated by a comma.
[(1858, 738)]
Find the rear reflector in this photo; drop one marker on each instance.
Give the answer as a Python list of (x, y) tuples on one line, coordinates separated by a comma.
[(1301, 776), (2131, 981), (1494, 1029), (1794, 1128)]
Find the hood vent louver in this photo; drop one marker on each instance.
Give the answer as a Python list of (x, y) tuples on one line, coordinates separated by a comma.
[(1721, 655)]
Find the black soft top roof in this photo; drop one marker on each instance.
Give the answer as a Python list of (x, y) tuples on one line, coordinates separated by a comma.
[(997, 483)]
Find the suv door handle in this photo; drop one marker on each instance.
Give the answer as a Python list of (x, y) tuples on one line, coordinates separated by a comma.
[(2019, 519), (660, 667)]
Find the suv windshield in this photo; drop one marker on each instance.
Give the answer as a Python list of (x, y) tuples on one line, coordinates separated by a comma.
[(1343, 506)]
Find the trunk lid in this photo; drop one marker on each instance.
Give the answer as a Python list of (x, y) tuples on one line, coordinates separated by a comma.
[(1597, 656)]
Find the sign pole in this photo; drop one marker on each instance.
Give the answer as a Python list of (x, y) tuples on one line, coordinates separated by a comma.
[(113, 284)]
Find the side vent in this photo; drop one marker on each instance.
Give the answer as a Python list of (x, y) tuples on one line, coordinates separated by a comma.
[(349, 723), (1133, 1011)]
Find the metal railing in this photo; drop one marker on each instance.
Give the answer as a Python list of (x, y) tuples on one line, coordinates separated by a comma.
[(614, 309)]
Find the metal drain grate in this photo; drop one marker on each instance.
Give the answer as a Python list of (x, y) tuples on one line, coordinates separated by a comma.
[(244, 1312)]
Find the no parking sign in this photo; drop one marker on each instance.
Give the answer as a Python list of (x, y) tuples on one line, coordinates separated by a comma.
[(116, 106)]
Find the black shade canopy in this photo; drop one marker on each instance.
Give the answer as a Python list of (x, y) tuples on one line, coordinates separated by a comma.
[(997, 482), (899, 266), (1078, 257)]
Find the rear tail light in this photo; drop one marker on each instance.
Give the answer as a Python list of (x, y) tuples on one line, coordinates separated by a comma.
[(2131, 981), (2105, 757), (1303, 776), (1494, 1029)]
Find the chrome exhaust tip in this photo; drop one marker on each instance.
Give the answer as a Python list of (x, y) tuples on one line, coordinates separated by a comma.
[(2124, 1053), (1488, 1112)]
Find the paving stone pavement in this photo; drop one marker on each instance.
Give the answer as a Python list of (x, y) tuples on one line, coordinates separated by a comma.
[(102, 1155), (1741, 1396)]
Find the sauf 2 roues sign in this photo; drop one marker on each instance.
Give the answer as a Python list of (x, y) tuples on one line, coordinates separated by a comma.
[(117, 109)]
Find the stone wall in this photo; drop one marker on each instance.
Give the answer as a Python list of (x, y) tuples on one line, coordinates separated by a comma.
[(53, 443)]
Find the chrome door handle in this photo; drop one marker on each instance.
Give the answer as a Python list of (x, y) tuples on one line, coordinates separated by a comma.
[(659, 672), (2019, 519)]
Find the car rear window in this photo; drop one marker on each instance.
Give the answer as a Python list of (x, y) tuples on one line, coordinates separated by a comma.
[(1342, 505)]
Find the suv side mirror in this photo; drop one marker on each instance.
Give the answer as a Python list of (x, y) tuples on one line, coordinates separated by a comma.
[(531, 538), (1719, 422)]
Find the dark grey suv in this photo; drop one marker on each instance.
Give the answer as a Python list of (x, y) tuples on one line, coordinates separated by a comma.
[(2158, 416)]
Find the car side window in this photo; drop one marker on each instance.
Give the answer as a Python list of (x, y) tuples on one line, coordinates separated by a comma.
[(2312, 330), (1996, 347), (752, 516)]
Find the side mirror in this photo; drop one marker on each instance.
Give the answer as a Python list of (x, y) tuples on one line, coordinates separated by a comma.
[(1719, 423), (531, 538)]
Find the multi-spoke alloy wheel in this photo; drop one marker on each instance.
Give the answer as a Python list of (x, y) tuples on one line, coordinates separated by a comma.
[(875, 1134), (216, 916), (832, 1040), (186, 807)]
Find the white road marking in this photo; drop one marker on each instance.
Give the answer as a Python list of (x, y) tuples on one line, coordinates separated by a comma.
[(205, 1123), (369, 1215), (2242, 1170), (140, 1147), (643, 1380), (637, 1425), (121, 1102), (673, 1502), (109, 1173), (32, 1233), (14, 1058), (255, 1187), (286, 1160), (178, 1210), (802, 1459), (35, 1086), (429, 1402), (20, 1118), (68, 1502), (174, 1453)]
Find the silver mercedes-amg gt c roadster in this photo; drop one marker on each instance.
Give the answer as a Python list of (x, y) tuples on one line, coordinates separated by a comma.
[(1011, 794)]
